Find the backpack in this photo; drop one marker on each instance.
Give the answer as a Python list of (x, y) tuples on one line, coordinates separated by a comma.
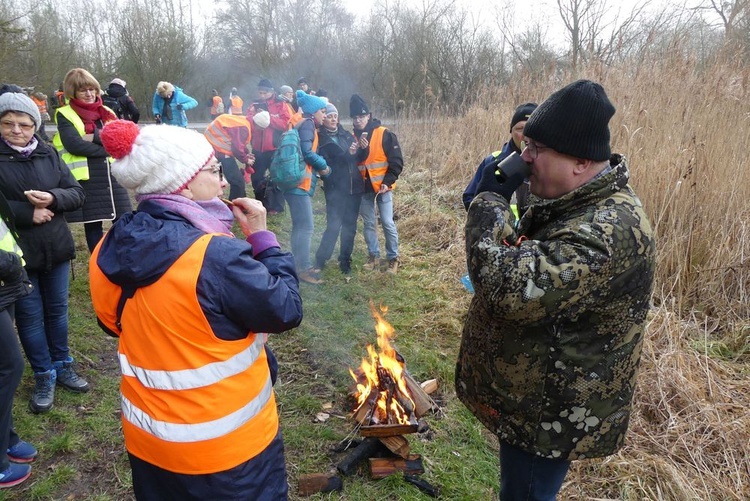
[(287, 166), (220, 108), (114, 104)]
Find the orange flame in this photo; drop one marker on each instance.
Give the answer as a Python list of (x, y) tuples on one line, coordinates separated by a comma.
[(381, 389)]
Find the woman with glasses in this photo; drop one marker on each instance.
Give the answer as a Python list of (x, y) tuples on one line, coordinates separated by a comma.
[(190, 304), (39, 188), (77, 139)]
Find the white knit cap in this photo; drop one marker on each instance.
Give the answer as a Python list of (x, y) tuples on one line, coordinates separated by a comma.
[(262, 119), (15, 101), (157, 158), (118, 81)]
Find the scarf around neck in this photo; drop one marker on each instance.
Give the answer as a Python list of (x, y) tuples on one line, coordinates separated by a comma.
[(209, 216), (166, 112), (27, 150), (90, 113)]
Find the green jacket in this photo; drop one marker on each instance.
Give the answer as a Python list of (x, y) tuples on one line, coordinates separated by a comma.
[(553, 336)]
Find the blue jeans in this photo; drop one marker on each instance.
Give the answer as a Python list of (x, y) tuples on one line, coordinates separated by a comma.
[(42, 318), (528, 477), (300, 208), (367, 211)]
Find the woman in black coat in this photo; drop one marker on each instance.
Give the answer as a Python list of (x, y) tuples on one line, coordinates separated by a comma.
[(39, 188), (78, 126)]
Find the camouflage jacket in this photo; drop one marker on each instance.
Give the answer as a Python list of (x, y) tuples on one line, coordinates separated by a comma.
[(553, 336)]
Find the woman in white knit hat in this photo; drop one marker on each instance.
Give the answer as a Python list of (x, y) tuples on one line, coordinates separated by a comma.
[(190, 304)]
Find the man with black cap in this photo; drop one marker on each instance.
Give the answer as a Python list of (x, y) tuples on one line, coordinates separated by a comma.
[(380, 162), (553, 335), (266, 137), (515, 144)]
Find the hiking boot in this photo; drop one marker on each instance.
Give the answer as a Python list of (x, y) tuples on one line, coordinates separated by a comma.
[(44, 391), (22, 452), (14, 475), (392, 266), (311, 277), (345, 266), (373, 262), (68, 378)]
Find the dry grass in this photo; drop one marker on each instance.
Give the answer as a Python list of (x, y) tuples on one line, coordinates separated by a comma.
[(684, 130)]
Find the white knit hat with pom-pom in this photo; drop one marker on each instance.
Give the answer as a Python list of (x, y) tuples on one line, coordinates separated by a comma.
[(157, 158)]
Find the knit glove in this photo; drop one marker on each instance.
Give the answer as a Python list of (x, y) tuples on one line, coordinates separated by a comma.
[(179, 107), (504, 177)]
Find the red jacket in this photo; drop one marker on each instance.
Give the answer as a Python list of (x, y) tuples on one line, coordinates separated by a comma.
[(268, 139)]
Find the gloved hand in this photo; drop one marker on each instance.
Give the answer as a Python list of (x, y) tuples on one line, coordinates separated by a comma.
[(179, 107), (504, 177), (157, 119)]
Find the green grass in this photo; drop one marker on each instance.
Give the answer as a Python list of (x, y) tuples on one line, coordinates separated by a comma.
[(82, 455)]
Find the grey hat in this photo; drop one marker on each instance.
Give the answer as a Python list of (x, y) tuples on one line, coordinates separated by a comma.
[(330, 108), (15, 101), (284, 89)]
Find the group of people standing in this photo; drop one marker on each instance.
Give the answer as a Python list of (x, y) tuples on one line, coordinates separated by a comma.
[(359, 170)]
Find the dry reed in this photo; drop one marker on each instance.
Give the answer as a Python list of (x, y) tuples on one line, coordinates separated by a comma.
[(684, 131)]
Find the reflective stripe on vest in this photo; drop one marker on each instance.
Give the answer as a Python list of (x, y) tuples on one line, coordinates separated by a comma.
[(236, 106), (191, 403), (195, 432), (217, 135), (79, 166), (376, 163)]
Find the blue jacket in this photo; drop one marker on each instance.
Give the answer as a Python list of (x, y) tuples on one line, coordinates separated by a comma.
[(178, 116), (306, 130), (471, 190)]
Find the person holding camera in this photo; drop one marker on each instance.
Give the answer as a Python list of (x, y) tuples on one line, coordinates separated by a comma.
[(170, 104), (552, 339)]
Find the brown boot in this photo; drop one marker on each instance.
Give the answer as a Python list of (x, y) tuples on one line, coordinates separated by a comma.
[(392, 266), (373, 262)]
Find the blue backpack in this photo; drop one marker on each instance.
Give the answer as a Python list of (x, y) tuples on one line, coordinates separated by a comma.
[(288, 166)]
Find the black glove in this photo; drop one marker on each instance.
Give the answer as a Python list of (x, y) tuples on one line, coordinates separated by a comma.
[(504, 177), (179, 107), (157, 119)]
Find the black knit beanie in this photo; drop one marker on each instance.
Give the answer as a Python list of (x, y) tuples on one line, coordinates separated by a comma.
[(522, 113), (574, 121), (357, 106)]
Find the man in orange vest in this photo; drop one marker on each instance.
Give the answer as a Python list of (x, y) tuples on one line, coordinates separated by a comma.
[(235, 103), (380, 162), (230, 136), (217, 104)]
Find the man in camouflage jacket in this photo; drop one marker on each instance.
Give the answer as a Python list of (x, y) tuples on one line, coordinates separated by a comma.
[(553, 336)]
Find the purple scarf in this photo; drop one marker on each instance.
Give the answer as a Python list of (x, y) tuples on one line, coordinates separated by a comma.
[(209, 216), (27, 150)]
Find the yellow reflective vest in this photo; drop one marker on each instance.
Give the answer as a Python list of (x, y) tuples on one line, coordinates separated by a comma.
[(79, 166)]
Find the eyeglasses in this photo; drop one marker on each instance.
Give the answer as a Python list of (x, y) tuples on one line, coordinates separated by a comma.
[(216, 170), (12, 125), (535, 148), (86, 91)]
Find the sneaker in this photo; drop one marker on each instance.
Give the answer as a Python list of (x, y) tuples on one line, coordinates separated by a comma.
[(392, 266), (372, 263), (345, 266), (22, 452), (44, 391), (14, 475), (68, 378), (311, 277)]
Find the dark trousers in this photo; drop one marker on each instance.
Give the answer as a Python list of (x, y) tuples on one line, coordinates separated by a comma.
[(94, 232), (260, 182), (234, 177), (528, 477), (342, 211), (11, 370)]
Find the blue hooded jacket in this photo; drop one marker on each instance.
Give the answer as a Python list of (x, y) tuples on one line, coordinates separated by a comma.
[(178, 115)]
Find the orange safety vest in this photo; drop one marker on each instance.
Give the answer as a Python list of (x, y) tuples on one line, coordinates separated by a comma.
[(376, 163), (306, 182), (41, 104), (61, 99), (235, 107), (217, 136), (191, 403), (215, 105), (294, 118)]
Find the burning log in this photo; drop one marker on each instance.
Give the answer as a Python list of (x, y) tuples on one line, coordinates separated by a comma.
[(366, 449), (319, 482), (383, 467), (387, 430), (422, 401), (397, 444)]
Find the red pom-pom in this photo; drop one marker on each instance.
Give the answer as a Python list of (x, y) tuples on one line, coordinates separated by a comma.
[(118, 137)]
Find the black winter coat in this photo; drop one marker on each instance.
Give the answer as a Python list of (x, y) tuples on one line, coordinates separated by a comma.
[(334, 147), (105, 198), (14, 283), (43, 245)]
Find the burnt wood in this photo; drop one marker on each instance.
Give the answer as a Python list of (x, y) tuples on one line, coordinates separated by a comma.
[(369, 447)]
